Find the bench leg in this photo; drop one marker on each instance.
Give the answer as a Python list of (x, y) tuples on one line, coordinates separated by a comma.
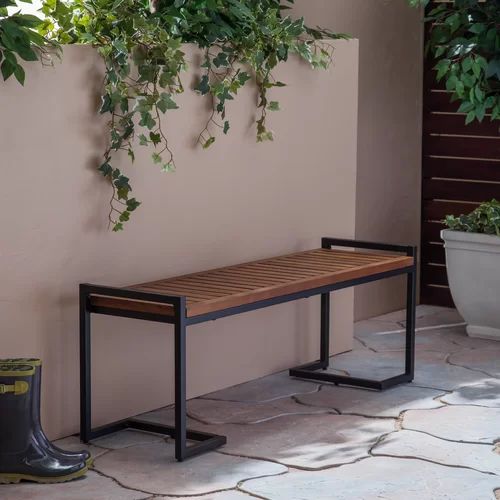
[(180, 386), (203, 441), (85, 364), (315, 370), (325, 331), (411, 308)]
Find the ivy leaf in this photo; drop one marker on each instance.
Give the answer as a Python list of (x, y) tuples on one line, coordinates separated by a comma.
[(208, 142), (166, 102), (442, 68), (274, 106), (106, 169), (243, 77), (221, 60), (20, 74), (124, 216), (155, 138), (132, 204), (471, 116), (204, 86), (8, 68), (226, 127), (147, 121), (493, 68), (168, 167)]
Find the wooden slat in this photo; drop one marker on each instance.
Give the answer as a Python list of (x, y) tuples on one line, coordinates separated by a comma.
[(320, 258), (454, 123), (340, 254), (443, 189), (220, 288), (440, 101), (248, 283), (245, 273), (352, 257), (201, 282), (453, 168), (200, 286), (431, 232), (434, 210), (132, 305), (433, 254), (298, 286), (277, 270), (185, 292), (435, 274), (464, 147), (315, 268)]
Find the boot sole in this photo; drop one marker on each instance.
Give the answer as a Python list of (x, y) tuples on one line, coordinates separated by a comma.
[(17, 478)]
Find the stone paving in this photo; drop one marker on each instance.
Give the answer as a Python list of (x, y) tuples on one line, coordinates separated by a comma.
[(437, 438)]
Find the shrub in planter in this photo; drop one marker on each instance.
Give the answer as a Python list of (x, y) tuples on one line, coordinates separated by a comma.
[(472, 245)]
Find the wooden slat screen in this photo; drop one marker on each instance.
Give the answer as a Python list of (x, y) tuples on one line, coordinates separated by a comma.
[(461, 168)]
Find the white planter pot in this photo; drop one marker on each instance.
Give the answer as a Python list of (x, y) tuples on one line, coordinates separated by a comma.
[(473, 263)]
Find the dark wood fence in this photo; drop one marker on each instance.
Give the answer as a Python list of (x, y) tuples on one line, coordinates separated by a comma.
[(461, 168)]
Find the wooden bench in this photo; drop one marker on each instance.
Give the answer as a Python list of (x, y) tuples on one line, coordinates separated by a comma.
[(206, 296)]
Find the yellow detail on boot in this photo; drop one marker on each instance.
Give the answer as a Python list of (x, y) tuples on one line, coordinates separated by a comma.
[(19, 388), (10, 371), (17, 478), (21, 361)]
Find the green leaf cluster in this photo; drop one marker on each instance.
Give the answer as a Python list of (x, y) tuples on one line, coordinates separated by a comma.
[(141, 44), (465, 42), (485, 219), (20, 41)]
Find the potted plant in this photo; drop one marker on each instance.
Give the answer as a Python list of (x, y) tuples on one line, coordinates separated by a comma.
[(472, 245)]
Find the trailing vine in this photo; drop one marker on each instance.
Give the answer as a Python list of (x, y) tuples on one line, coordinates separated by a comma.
[(465, 43), (141, 44), (20, 41)]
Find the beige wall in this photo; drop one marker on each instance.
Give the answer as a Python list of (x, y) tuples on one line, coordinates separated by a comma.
[(235, 202), (389, 135)]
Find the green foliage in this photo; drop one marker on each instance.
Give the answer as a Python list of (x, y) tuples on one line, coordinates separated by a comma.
[(465, 41), (242, 41), (485, 219), (19, 40)]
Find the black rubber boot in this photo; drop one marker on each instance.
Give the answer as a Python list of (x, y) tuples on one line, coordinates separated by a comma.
[(22, 457), (37, 427)]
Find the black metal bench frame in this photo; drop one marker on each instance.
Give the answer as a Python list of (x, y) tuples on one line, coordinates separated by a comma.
[(312, 371)]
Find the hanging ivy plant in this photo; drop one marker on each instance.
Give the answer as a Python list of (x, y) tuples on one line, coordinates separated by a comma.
[(465, 41), (20, 41), (141, 43)]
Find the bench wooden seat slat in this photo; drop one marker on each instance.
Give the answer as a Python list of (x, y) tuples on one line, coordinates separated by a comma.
[(233, 286), (213, 285), (278, 275), (198, 296), (279, 269), (203, 287), (249, 275), (314, 267)]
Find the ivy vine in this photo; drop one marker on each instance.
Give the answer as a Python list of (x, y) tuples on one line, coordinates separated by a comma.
[(465, 43), (20, 41), (141, 44)]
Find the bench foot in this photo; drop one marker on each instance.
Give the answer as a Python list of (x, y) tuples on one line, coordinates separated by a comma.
[(316, 370), (204, 441), (310, 372)]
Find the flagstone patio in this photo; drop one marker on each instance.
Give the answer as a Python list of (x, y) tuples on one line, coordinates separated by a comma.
[(437, 438)]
